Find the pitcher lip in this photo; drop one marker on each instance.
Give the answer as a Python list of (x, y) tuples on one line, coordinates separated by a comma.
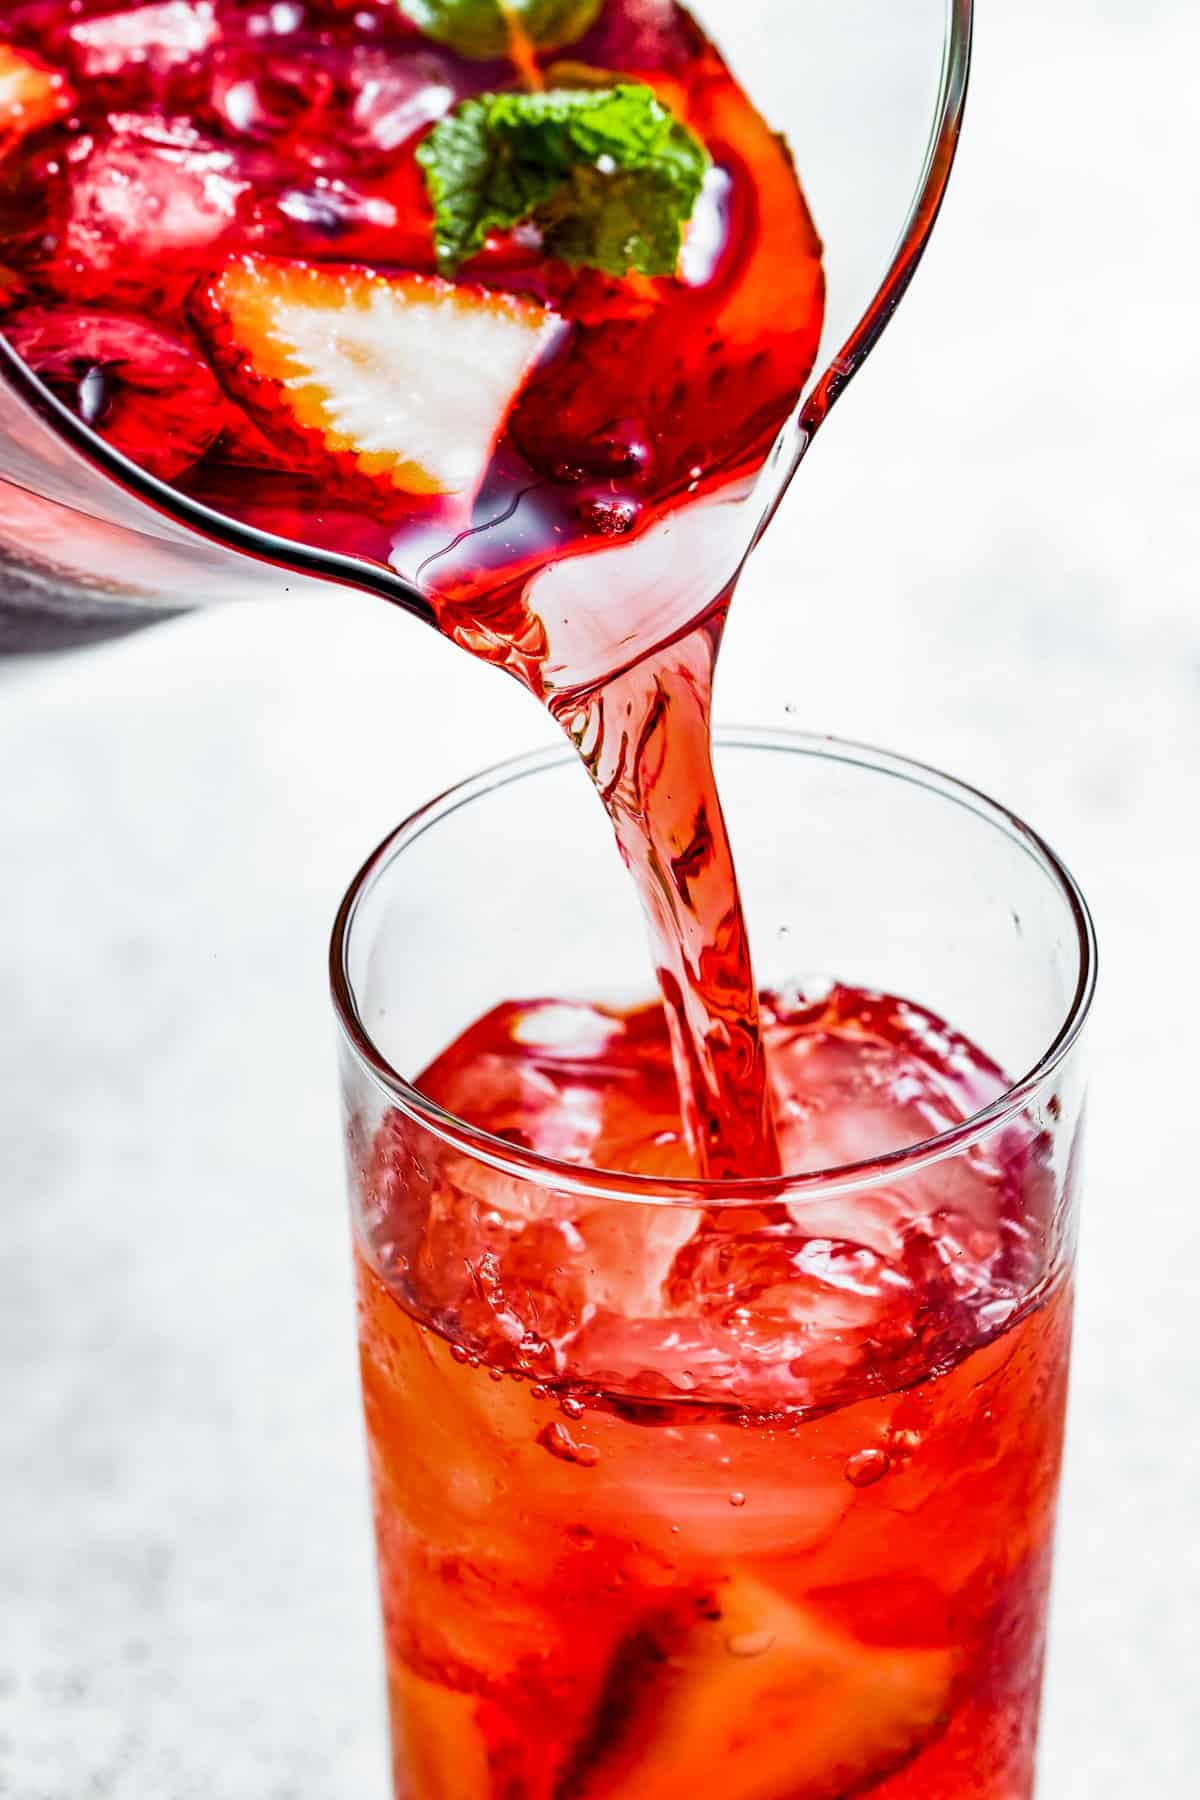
[(604, 1184)]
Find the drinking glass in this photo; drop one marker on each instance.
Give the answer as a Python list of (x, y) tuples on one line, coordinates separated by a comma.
[(652, 1584)]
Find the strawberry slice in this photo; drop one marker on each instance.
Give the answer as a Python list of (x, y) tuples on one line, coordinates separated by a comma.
[(782, 1705), (31, 96), (146, 390), (407, 379)]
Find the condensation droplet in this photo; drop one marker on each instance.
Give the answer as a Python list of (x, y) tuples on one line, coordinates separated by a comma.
[(737, 1499), (750, 1643), (867, 1467), (573, 1408)]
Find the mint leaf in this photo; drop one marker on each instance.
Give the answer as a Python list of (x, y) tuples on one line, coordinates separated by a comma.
[(609, 175), (483, 29)]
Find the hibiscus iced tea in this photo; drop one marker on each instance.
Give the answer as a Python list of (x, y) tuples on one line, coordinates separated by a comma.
[(685, 1488)]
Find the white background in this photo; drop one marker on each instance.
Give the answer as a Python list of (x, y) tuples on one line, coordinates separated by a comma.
[(989, 562)]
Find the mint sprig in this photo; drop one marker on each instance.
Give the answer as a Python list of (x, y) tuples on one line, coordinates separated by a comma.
[(482, 29), (609, 175)]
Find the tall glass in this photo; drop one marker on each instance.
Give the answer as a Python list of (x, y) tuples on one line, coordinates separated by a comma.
[(649, 1585)]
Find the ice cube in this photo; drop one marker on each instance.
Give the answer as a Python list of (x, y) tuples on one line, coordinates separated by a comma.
[(394, 97), (146, 206), (253, 97), (629, 1252), (857, 1076), (804, 1317), (352, 108), (157, 38), (843, 1293)]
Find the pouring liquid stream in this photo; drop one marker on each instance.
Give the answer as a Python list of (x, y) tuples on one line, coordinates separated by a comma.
[(646, 737)]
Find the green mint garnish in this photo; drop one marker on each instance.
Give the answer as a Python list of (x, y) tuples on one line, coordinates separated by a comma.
[(482, 29), (609, 176)]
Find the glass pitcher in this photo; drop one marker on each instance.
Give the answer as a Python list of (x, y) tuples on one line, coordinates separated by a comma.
[(870, 96)]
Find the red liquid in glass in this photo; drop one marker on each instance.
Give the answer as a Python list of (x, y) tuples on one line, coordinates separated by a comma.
[(754, 1505)]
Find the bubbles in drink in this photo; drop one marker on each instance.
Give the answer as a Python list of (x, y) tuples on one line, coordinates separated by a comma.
[(866, 1467), (559, 1442)]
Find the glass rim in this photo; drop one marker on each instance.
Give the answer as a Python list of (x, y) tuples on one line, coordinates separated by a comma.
[(607, 1184)]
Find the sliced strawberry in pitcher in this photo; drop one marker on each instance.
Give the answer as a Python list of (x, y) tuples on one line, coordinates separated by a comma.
[(147, 392), (31, 97), (406, 380)]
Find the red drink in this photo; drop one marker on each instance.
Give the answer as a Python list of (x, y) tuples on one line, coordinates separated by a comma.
[(742, 1500), (752, 1503)]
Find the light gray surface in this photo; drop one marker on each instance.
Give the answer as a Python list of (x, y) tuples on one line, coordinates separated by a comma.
[(990, 562)]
